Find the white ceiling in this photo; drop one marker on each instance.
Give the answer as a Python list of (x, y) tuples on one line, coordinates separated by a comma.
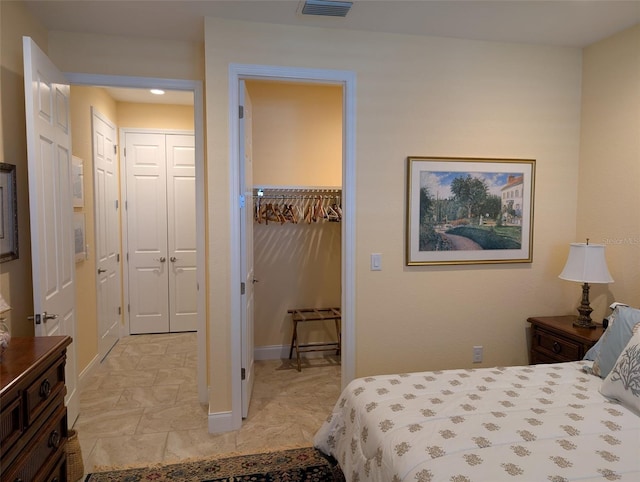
[(571, 23)]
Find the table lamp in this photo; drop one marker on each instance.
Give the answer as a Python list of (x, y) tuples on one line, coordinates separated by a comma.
[(586, 264)]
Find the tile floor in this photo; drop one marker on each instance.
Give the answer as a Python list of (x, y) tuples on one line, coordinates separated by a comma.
[(140, 406)]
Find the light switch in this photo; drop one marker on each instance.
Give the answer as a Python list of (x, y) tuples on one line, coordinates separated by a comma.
[(376, 262)]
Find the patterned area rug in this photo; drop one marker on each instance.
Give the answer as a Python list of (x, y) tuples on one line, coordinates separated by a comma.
[(306, 464)]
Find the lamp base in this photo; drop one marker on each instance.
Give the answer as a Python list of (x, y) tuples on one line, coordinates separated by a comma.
[(584, 320)]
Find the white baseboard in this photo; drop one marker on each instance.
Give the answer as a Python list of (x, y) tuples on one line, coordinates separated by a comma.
[(85, 374), (271, 352), (220, 422), (281, 352)]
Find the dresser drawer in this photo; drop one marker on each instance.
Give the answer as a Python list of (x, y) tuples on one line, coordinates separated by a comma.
[(555, 346), (59, 472), (11, 425), (48, 386), (38, 459)]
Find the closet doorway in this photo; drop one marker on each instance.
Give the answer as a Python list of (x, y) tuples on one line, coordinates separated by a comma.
[(161, 230), (346, 80), (297, 214)]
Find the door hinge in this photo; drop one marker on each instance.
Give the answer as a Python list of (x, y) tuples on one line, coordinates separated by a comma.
[(118, 258), (128, 308), (119, 310), (124, 151), (126, 205), (242, 201), (243, 374), (127, 257), (115, 148), (242, 288), (241, 111), (117, 203)]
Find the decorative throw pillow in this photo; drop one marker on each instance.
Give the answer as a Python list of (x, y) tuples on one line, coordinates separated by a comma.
[(623, 381), (592, 353), (615, 339)]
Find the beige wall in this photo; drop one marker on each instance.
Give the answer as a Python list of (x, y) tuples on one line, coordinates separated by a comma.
[(609, 193), (297, 141), (155, 116), (419, 96), (15, 275), (107, 55), (82, 99), (297, 134)]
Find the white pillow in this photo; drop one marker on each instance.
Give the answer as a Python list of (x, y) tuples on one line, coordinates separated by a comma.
[(615, 339), (623, 381)]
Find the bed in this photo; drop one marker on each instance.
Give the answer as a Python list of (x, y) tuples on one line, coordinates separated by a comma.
[(525, 423)]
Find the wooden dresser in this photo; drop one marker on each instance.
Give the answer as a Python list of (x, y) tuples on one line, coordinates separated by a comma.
[(33, 417), (554, 339)]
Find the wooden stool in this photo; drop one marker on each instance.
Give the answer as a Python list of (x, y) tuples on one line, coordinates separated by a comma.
[(314, 314)]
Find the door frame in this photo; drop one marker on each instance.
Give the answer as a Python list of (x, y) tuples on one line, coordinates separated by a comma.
[(347, 79), (195, 86)]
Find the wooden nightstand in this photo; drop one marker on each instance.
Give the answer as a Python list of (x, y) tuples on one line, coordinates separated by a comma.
[(554, 339)]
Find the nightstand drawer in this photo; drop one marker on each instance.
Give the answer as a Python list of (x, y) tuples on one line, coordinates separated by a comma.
[(556, 346), (556, 339)]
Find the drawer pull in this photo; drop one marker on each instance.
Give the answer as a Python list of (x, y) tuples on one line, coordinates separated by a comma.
[(45, 388), (557, 347), (54, 439), (55, 479)]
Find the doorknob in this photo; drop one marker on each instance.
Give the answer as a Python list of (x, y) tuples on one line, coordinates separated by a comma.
[(100, 270), (162, 259), (46, 316), (173, 259), (255, 280)]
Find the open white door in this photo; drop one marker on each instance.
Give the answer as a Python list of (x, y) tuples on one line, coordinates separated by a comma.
[(51, 206), (246, 240), (107, 230)]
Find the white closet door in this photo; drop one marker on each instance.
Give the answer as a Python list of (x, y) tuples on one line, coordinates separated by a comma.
[(181, 220), (147, 233)]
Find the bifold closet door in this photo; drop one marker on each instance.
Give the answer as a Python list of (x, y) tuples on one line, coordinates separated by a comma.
[(181, 219), (161, 232)]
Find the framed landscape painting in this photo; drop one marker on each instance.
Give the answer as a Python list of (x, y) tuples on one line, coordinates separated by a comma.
[(469, 210)]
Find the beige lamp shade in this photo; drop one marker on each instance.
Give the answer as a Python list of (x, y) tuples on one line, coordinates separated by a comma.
[(586, 264)]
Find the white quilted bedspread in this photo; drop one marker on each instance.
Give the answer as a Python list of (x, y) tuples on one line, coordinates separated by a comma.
[(530, 423)]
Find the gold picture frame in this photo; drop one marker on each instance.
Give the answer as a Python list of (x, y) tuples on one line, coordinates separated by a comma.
[(469, 210)]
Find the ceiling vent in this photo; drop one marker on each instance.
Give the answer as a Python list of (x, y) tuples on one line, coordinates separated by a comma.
[(326, 8)]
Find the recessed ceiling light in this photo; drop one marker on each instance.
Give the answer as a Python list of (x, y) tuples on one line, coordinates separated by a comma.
[(157, 91)]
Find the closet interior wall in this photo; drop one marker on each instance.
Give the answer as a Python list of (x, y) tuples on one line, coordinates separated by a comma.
[(297, 144)]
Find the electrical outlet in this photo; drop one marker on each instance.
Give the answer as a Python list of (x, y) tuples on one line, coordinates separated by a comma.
[(477, 354)]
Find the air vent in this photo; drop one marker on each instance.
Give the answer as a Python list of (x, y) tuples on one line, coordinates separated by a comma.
[(326, 8)]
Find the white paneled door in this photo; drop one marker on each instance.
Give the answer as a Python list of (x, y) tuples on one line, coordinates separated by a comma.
[(51, 206), (161, 232), (246, 240), (107, 230)]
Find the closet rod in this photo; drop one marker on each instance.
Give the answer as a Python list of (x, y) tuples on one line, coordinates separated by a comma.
[(297, 192)]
